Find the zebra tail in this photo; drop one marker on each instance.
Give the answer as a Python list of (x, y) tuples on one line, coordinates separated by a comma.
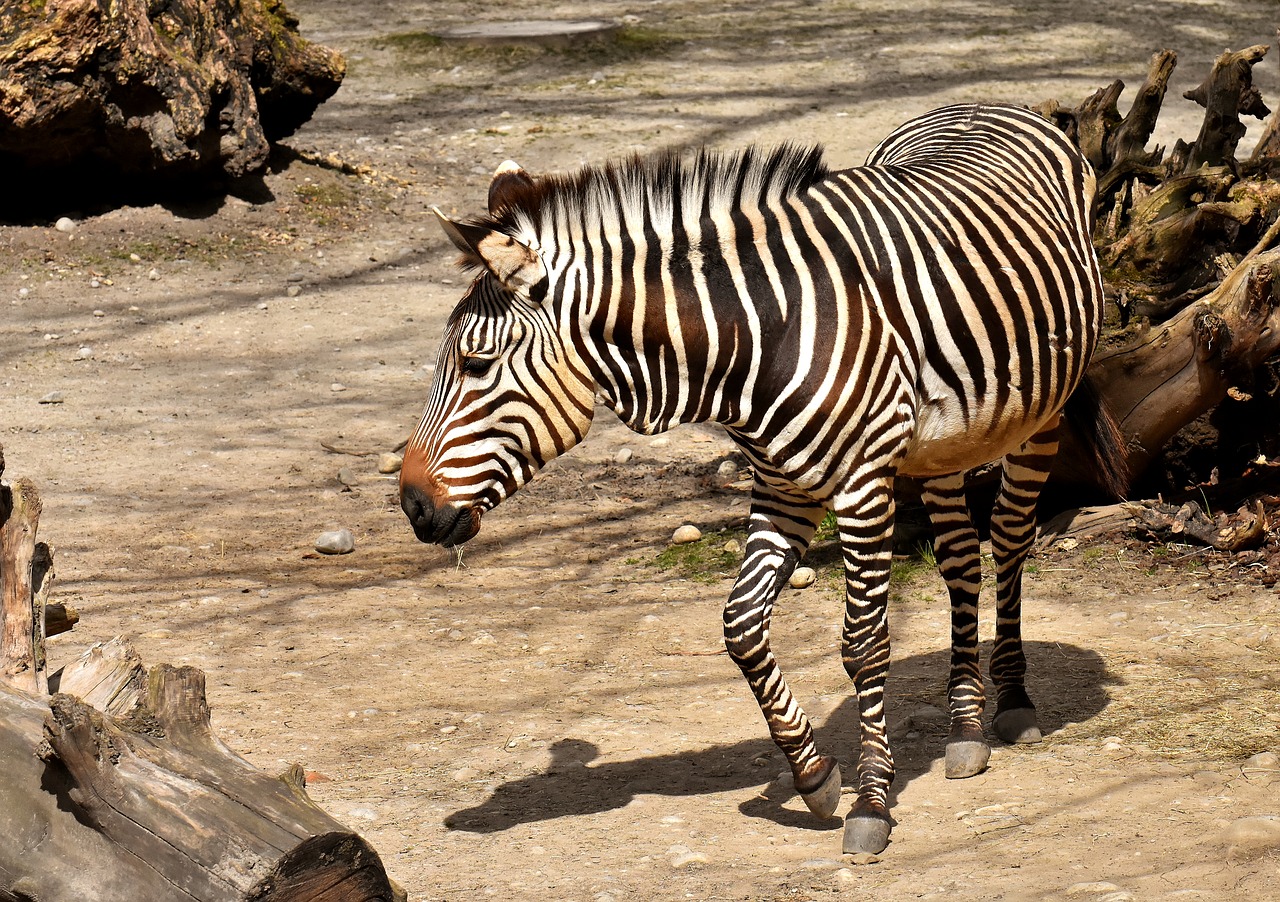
[(1101, 443)]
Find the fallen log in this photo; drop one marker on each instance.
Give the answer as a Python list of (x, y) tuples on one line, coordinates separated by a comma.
[(150, 805), (116, 787)]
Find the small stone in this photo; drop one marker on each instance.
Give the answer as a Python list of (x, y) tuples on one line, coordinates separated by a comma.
[(24, 292), (864, 858), (157, 634), (464, 774), (484, 639), (686, 534), (727, 469), (293, 291), (389, 462), (294, 277), (337, 386), (928, 714), (134, 258), (820, 864), (336, 541), (623, 456), (65, 224), (364, 814), (1096, 888), (54, 397), (347, 477), (84, 353), (682, 857), (94, 283), (733, 546), (314, 776), (802, 578), (99, 313), (1253, 834), (153, 275)]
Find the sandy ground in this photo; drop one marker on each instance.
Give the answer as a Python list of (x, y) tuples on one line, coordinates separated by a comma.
[(549, 717)]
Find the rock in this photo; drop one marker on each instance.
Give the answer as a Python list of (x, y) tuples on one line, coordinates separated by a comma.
[(389, 462), (802, 578), (623, 456), (54, 397), (336, 541), (864, 858), (364, 814), (347, 477), (154, 275), (682, 856), (727, 469), (733, 546), (65, 225), (84, 353), (337, 386), (293, 291), (929, 714), (1253, 835), (686, 534)]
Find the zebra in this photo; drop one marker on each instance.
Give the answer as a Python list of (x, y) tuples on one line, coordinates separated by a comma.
[(921, 315)]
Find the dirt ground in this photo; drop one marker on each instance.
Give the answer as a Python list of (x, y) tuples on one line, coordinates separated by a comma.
[(549, 718)]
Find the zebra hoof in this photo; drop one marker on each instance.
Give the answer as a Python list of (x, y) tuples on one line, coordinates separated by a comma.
[(865, 833), (824, 800), (966, 758), (1017, 725)]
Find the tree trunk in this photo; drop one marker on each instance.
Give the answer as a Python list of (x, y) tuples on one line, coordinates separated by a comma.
[(150, 805)]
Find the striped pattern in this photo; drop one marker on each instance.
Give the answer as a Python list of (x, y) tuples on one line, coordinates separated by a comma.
[(923, 314)]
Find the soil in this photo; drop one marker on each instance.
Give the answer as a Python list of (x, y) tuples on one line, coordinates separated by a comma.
[(550, 716)]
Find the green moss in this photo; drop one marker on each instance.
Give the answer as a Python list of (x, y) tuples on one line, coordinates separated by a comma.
[(706, 560)]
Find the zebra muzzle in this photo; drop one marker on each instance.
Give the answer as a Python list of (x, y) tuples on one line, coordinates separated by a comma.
[(444, 524)]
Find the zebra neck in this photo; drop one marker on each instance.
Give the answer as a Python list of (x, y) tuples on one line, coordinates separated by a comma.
[(668, 337)]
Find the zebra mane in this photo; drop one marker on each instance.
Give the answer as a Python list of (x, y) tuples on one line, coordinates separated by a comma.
[(705, 180)]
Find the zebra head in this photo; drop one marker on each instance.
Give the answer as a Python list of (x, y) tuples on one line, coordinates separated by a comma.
[(510, 392)]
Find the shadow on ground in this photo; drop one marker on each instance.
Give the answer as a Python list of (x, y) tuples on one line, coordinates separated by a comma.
[(572, 785)]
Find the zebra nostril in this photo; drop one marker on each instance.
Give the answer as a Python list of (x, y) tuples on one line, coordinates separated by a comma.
[(420, 510)]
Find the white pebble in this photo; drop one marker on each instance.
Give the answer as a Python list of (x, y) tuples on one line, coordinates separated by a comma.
[(54, 397), (65, 224), (364, 814), (153, 275), (389, 462), (727, 469), (686, 534), (733, 546), (84, 353), (337, 386), (802, 578), (336, 541), (623, 456)]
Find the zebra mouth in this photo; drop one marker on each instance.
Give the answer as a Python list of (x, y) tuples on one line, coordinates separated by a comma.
[(447, 525)]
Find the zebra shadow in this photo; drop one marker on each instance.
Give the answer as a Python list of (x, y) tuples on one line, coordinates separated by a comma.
[(1068, 683)]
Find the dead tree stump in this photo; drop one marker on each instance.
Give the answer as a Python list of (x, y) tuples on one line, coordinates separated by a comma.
[(179, 89)]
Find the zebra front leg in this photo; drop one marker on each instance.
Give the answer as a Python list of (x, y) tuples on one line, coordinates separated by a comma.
[(960, 563), (1013, 530), (866, 531), (782, 525)]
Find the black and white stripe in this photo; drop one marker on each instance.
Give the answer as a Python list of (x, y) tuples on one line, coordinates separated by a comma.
[(923, 314)]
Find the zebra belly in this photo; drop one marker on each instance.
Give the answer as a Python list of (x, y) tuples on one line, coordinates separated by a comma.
[(945, 441)]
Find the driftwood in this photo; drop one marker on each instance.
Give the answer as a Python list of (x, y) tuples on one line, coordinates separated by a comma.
[(115, 786), (181, 88), (1184, 239)]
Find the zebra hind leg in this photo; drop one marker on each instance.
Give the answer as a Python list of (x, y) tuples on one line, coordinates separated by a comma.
[(781, 527), (960, 563), (1013, 529)]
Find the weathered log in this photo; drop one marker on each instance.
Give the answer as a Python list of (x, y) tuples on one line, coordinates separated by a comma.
[(1183, 368), (1226, 94), (150, 805), (181, 88), (1247, 528), (21, 624)]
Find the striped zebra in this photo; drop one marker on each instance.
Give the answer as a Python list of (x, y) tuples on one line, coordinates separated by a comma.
[(921, 315)]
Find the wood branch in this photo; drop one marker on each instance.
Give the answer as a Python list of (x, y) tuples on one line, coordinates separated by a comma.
[(1180, 370), (150, 805), (1127, 142), (1269, 143), (59, 618), (1247, 528), (1227, 93), (21, 625)]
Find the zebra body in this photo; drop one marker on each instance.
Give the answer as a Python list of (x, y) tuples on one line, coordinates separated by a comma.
[(923, 314)]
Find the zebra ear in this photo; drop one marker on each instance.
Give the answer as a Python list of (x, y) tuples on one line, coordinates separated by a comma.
[(515, 264), (509, 182)]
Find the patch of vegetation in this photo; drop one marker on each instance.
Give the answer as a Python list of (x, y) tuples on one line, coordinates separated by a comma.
[(706, 560)]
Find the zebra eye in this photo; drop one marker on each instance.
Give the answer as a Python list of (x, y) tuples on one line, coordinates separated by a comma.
[(476, 366)]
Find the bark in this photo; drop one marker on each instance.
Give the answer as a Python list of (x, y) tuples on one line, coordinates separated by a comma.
[(148, 804), (182, 88), (21, 609)]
